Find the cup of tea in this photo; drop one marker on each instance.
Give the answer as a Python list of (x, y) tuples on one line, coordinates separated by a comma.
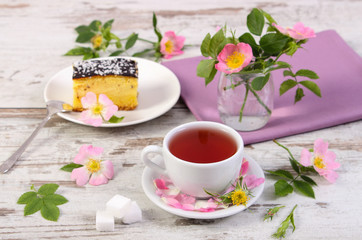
[(198, 156)]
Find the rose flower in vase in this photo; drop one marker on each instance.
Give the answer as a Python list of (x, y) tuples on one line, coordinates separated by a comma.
[(245, 89)]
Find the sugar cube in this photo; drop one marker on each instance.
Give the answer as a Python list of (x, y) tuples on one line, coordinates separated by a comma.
[(118, 205), (104, 221), (134, 214)]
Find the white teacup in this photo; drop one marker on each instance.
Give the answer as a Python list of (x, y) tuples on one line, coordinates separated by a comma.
[(193, 178)]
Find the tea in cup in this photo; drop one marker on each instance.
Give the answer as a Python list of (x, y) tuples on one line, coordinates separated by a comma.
[(199, 156)]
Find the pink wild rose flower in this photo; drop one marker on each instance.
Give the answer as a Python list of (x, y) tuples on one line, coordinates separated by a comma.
[(94, 170), (298, 32), (171, 45), (97, 109), (234, 58), (322, 160)]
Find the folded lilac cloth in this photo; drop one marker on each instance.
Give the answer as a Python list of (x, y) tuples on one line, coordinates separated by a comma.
[(340, 72)]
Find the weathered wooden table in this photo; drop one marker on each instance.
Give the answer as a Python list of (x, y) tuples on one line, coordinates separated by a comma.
[(35, 35)]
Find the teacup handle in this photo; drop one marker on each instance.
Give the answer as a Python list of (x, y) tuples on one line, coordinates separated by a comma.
[(149, 163)]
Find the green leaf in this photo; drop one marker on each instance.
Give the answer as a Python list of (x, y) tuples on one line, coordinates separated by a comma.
[(115, 119), (155, 29), (282, 188), (249, 39), (70, 167), (271, 212), (84, 37), (282, 64), (223, 43), (312, 86), (50, 212), (286, 85), (259, 82), (308, 180), (273, 43), (118, 44), (282, 230), (94, 25), (78, 51), (107, 34), (141, 53), (108, 24), (82, 28), (268, 17), (205, 69), (211, 76), (292, 48), (33, 206), (48, 189), (215, 41), (299, 94), (131, 40), (204, 48), (294, 164), (55, 199), (27, 198), (255, 22), (307, 73), (281, 173), (287, 73), (304, 187), (116, 53), (89, 55)]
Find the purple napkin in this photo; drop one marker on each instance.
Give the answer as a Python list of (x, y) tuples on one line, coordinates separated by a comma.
[(340, 72)]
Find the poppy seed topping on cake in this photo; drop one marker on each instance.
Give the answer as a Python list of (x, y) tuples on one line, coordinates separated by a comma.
[(115, 77)]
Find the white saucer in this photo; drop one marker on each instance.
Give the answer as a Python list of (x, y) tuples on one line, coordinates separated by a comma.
[(148, 187), (158, 90)]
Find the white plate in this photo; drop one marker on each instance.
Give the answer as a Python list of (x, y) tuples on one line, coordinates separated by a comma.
[(158, 90), (148, 187)]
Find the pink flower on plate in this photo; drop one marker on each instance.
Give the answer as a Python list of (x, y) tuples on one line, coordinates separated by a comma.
[(322, 160), (97, 109), (251, 181), (94, 170), (234, 58), (171, 45), (298, 32)]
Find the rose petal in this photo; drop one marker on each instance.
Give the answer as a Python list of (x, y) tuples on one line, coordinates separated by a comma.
[(82, 156), (252, 181), (330, 175), (172, 202), (305, 158), (98, 179), (109, 108), (89, 100), (188, 207), (94, 151), (185, 199), (244, 168), (320, 147), (107, 169), (160, 183), (88, 118), (80, 175)]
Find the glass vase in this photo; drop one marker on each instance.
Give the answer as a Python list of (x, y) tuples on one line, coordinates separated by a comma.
[(242, 107)]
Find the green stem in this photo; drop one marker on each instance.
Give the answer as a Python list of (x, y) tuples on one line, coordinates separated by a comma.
[(145, 40), (141, 39), (245, 97), (259, 100), (280, 145), (232, 86)]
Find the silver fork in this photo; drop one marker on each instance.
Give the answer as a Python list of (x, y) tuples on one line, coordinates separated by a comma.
[(53, 107)]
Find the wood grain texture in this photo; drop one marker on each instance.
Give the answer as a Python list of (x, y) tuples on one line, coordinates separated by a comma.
[(35, 35)]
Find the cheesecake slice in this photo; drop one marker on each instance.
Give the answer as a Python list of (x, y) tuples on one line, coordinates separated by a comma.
[(115, 77)]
